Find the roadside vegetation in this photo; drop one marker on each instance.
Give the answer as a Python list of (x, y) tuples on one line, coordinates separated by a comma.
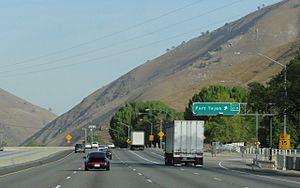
[(33, 143), (263, 99)]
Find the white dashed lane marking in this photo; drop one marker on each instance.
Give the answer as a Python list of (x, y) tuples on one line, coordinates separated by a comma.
[(217, 179), (150, 181), (68, 177), (58, 186), (140, 174)]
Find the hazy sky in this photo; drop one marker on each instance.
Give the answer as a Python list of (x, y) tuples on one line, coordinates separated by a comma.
[(54, 53)]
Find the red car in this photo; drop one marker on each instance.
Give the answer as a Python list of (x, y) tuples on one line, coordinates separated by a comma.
[(96, 160)]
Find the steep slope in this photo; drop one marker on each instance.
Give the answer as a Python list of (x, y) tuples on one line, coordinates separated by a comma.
[(19, 119), (225, 56)]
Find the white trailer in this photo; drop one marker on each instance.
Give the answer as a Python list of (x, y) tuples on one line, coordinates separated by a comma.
[(184, 142), (137, 140)]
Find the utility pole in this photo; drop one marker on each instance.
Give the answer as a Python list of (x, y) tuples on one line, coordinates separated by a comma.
[(256, 136), (160, 130), (285, 89), (151, 128), (285, 85), (256, 127), (285, 102), (271, 135), (1, 137), (84, 135), (92, 127)]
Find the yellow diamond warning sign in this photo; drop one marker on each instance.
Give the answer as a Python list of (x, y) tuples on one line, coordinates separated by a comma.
[(68, 138), (161, 135)]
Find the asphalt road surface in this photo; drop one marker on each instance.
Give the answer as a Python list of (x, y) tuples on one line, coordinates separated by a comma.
[(145, 169)]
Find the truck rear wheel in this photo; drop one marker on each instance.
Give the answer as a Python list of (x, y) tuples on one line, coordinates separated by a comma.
[(198, 161)]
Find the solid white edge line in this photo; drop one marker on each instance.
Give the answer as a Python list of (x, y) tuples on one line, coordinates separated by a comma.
[(220, 165), (266, 177), (144, 158), (157, 154)]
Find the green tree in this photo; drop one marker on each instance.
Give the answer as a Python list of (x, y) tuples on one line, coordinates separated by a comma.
[(217, 128), (33, 143), (131, 113), (271, 99)]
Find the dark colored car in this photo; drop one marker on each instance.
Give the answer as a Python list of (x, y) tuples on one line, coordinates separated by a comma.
[(96, 160), (79, 148), (107, 151), (109, 154)]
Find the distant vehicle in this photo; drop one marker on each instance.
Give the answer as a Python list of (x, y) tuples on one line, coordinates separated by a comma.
[(95, 144), (102, 147), (79, 148), (96, 160), (184, 142), (88, 146), (109, 154), (111, 145), (137, 140), (107, 151)]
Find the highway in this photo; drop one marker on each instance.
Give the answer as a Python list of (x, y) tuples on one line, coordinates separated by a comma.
[(18, 155), (145, 169)]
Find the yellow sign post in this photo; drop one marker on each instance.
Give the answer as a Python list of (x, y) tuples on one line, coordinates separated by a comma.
[(285, 141), (151, 138), (161, 135), (68, 138), (128, 141), (257, 142)]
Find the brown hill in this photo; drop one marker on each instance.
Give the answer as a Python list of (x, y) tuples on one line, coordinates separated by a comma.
[(219, 57), (19, 119)]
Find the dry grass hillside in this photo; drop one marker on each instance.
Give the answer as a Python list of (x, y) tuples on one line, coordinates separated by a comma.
[(19, 119), (226, 56)]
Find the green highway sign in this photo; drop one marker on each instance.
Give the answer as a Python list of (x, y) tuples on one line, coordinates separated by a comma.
[(215, 108)]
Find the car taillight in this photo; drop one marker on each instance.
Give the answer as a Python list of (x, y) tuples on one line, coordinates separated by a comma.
[(105, 163)]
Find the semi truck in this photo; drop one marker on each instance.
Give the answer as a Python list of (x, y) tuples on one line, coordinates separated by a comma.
[(184, 142), (137, 140)]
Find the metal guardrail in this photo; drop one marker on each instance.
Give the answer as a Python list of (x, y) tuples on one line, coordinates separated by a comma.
[(266, 151), (283, 159)]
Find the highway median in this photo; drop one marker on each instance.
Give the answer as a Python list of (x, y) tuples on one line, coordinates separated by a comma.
[(11, 169)]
